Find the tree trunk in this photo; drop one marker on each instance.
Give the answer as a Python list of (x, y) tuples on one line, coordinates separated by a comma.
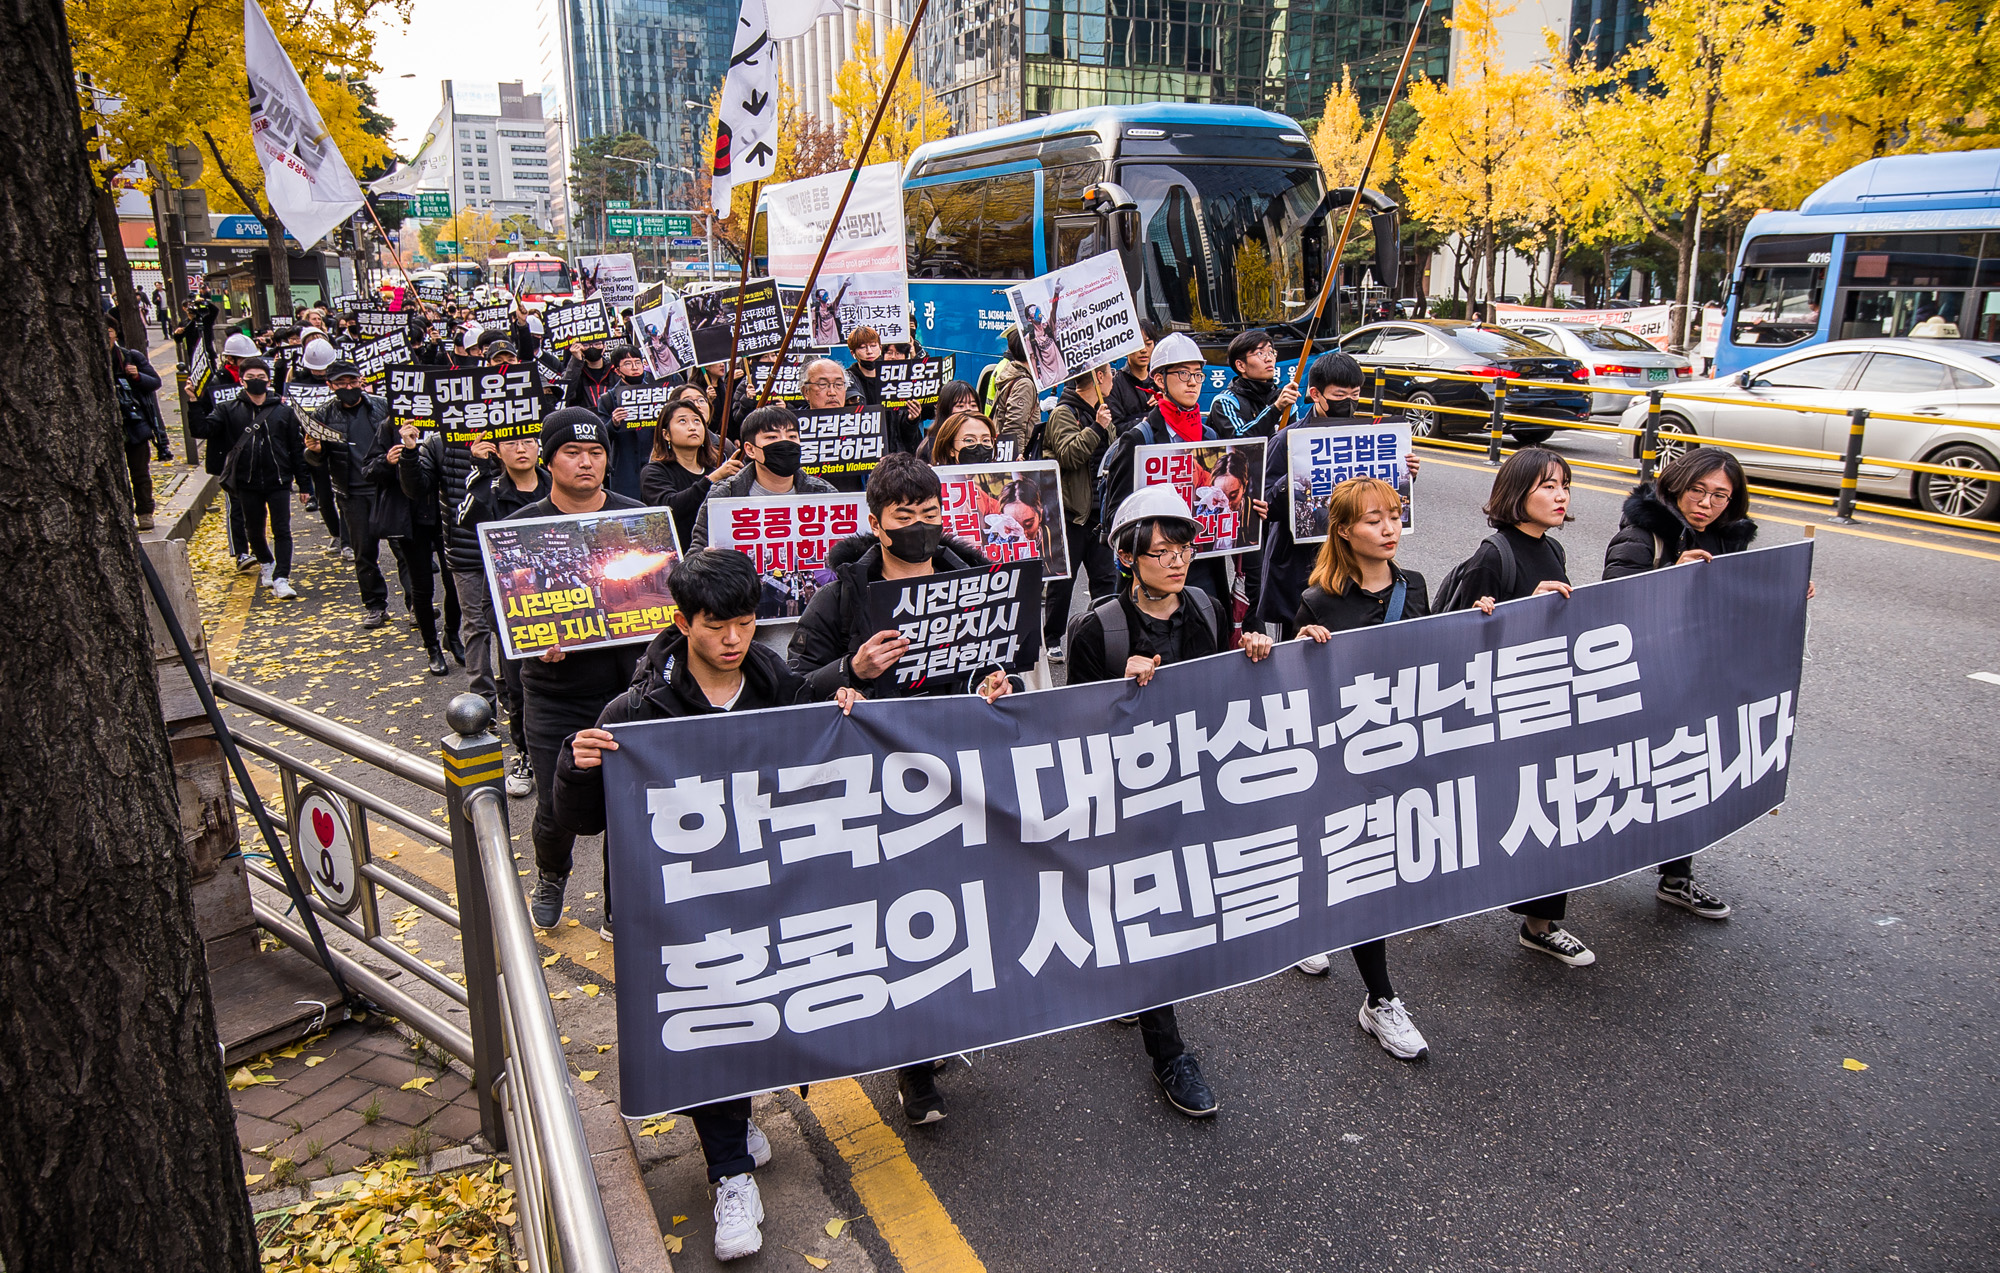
[(1556, 253), (117, 1144), (281, 268), (1492, 269), (1684, 274), (131, 320)]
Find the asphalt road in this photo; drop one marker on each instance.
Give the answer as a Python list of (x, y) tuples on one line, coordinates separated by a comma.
[(1681, 1103)]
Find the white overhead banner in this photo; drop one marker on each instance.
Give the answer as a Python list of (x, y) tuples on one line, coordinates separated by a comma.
[(870, 237), (309, 185), (431, 169)]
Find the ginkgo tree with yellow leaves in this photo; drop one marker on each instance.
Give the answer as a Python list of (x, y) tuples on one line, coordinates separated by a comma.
[(914, 117)]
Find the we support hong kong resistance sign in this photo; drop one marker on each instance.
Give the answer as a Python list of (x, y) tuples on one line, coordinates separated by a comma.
[(804, 895)]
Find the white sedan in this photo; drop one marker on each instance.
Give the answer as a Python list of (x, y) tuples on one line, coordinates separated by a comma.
[(1617, 359), (1956, 381)]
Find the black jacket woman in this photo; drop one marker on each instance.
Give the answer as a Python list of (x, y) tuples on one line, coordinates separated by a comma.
[(686, 462)]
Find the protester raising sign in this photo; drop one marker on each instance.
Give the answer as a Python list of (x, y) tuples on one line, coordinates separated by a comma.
[(374, 358), (612, 278), (1319, 458), (664, 340), (914, 379), (712, 320), (374, 321), (842, 302), (500, 316), (1013, 511), (570, 324), (1077, 318), (304, 398), (584, 580), (843, 444), (962, 624), (468, 403), (1218, 479), (788, 538)]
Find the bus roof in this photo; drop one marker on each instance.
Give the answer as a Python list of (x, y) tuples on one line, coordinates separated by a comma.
[(1108, 122), (1911, 183)]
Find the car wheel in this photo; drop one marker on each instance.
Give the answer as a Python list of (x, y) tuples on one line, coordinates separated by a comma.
[(1424, 422), (1676, 438), (1957, 496), (1532, 436)]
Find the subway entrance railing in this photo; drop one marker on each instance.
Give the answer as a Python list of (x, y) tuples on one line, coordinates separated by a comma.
[(509, 1041)]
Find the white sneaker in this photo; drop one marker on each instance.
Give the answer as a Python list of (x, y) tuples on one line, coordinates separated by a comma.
[(1313, 965), (1391, 1025), (264, 574), (521, 778), (739, 1209), (282, 589), (759, 1145)]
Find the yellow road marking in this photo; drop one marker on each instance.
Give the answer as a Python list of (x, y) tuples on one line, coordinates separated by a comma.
[(905, 1210), (229, 629), (1822, 527)]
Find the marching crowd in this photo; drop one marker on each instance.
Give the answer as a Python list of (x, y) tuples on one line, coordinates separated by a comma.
[(1152, 601)]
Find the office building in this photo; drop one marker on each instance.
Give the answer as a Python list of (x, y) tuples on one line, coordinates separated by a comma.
[(810, 65), (500, 159)]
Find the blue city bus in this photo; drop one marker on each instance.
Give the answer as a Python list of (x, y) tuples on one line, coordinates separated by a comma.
[(1877, 250), (1220, 214)]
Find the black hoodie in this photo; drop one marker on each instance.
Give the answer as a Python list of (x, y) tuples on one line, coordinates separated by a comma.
[(835, 623), (1653, 533), (662, 688)]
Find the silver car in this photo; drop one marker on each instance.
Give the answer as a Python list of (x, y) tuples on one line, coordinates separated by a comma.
[(1616, 357), (1958, 381)]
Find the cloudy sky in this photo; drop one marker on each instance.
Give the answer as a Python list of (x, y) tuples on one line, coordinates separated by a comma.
[(477, 42)]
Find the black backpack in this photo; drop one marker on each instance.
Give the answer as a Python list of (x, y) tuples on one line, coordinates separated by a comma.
[(253, 462), (1449, 588), (1118, 637)]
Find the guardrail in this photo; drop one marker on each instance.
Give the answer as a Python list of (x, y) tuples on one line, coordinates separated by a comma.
[(1650, 439), (520, 1076)]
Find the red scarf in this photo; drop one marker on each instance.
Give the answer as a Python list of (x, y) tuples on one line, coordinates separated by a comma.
[(1184, 421)]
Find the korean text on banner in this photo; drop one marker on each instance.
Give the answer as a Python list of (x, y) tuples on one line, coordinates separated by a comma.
[(843, 444), (1077, 318), (374, 357), (788, 538), (1321, 457), (1012, 511), (870, 237), (307, 181), (1218, 479), (811, 895), (711, 320), (915, 379), (588, 579), (571, 325), (961, 624), (1652, 323)]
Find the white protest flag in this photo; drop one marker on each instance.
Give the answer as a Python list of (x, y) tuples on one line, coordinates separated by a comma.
[(309, 185), (746, 133), (431, 169)]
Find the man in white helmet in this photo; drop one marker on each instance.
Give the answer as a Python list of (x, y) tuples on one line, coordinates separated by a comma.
[(1155, 620), (222, 387)]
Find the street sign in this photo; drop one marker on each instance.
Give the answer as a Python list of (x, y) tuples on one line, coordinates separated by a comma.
[(681, 225), (617, 203), (683, 243), (621, 225), (433, 203), (447, 245), (652, 224)]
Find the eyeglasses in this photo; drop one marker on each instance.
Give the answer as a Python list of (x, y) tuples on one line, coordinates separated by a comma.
[(1171, 556), (1183, 373), (1703, 496), (824, 383)]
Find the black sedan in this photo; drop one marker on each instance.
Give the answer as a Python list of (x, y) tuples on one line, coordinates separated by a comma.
[(1406, 351)]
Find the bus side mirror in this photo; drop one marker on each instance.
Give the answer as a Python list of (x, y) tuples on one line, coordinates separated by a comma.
[(1117, 211)]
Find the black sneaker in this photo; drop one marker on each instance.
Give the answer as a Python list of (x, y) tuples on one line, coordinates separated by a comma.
[(1186, 1090), (1558, 943), (545, 903), (438, 667), (375, 619), (922, 1103), (1682, 891)]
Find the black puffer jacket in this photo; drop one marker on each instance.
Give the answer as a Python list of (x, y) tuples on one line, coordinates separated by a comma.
[(1653, 533), (663, 688), (835, 623), (268, 469), (440, 477)]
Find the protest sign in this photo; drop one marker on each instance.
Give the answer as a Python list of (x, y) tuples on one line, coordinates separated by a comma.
[(225, 393), (468, 403), (915, 379), (432, 289), (645, 404), (344, 303), (1218, 479), (789, 387), (1012, 511), (374, 358), (870, 237), (612, 278), (500, 316), (1001, 871), (1077, 318), (201, 367), (843, 444), (842, 302), (373, 322), (1651, 323), (712, 321), (663, 336), (305, 399), (787, 538), (961, 624), (570, 325), (581, 581), (1321, 457)]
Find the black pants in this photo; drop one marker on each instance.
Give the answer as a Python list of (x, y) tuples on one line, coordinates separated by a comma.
[(1553, 909), (1371, 960), (239, 539), (1678, 869), (1161, 1031), (320, 486), (139, 463), (417, 556), (277, 506), (550, 721), (354, 510), (509, 675), (1088, 556), (724, 1129)]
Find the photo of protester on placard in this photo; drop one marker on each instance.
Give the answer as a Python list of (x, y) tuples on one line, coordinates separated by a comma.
[(665, 341), (1216, 479), (824, 314), (1013, 511), (591, 579)]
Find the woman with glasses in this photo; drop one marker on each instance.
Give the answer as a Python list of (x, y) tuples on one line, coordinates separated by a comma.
[(1696, 511)]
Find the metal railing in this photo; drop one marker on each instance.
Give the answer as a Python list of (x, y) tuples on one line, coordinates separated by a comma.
[(520, 1075)]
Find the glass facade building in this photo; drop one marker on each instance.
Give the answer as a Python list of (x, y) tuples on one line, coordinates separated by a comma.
[(994, 61)]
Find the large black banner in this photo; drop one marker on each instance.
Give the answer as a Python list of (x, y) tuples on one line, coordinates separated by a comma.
[(804, 895)]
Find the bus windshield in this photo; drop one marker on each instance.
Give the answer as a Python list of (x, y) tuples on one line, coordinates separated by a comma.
[(1222, 242), (536, 278)]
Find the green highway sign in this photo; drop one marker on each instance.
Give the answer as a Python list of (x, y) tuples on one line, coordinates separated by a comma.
[(652, 224), (679, 225), (621, 225), (617, 203), (447, 245), (433, 203)]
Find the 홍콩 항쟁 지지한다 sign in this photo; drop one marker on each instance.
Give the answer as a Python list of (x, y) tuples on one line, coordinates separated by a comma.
[(788, 539)]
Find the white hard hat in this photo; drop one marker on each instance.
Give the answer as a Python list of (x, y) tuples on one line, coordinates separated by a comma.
[(472, 331), (1174, 349), (319, 354), (240, 346), (1151, 503)]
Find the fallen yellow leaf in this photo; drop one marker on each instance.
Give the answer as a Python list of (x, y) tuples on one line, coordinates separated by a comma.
[(835, 1226), (250, 1178), (590, 955), (590, 897), (587, 1075), (243, 1078), (560, 994), (551, 960), (654, 1127), (565, 1038), (418, 1085), (1851, 1064), (313, 1060), (575, 922), (590, 990), (680, 1219), (602, 1048), (291, 1053), (673, 1243), (814, 1260)]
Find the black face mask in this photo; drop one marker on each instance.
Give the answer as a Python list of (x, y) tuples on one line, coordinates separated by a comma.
[(256, 388), (632, 380), (1337, 407), (916, 543), (781, 457), (977, 453), (593, 353), (349, 397)]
